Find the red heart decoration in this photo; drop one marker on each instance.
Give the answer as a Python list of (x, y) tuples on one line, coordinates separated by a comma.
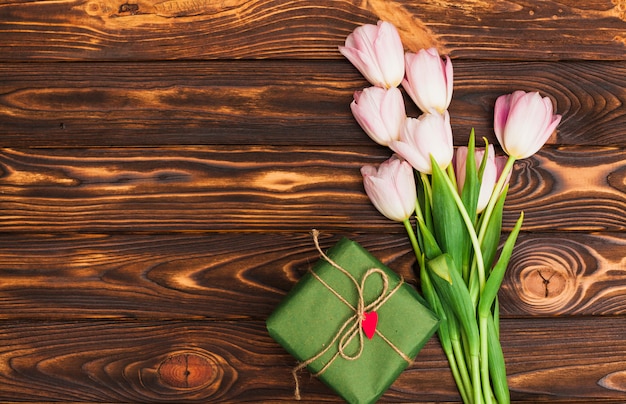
[(369, 324)]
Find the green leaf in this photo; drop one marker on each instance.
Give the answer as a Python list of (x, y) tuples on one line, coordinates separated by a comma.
[(450, 231), (496, 316), (442, 267), (453, 292), (489, 245), (448, 334), (469, 196), (483, 162), (424, 199), (435, 305), (429, 245), (456, 296), (471, 186), (494, 281)]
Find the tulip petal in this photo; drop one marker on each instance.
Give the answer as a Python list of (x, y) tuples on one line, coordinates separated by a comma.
[(428, 80), (429, 135), (523, 122), (377, 52), (449, 80), (380, 113), (391, 188)]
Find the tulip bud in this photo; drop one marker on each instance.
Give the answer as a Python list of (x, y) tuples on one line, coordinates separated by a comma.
[(430, 134), (523, 122), (391, 188), (377, 52), (428, 80), (493, 169), (380, 113)]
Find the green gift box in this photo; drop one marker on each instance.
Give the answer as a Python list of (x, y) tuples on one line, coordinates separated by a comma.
[(320, 323)]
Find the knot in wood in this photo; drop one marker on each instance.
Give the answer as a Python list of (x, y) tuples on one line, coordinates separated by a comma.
[(547, 275), (547, 289), (545, 283), (187, 371), (129, 8)]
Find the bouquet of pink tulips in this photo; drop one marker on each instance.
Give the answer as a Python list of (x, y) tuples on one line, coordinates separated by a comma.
[(450, 203)]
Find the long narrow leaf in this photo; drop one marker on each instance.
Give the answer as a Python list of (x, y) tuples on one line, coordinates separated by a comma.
[(450, 230), (497, 274), (452, 291), (435, 305), (491, 240), (483, 162), (430, 247), (424, 199), (469, 196), (496, 316), (471, 186), (447, 327)]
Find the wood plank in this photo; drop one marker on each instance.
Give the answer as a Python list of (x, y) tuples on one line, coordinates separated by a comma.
[(276, 102), (236, 276), (548, 360), (182, 29), (274, 189), (566, 274)]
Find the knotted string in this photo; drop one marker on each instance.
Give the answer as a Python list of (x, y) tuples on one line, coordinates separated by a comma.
[(351, 328)]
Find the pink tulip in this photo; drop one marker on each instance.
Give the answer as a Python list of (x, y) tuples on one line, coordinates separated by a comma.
[(391, 188), (377, 52), (380, 113), (491, 174), (428, 80), (430, 134), (523, 122)]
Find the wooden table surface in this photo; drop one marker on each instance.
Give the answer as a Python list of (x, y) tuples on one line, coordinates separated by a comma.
[(163, 162)]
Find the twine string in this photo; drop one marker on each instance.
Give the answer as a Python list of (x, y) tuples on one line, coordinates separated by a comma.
[(351, 328)]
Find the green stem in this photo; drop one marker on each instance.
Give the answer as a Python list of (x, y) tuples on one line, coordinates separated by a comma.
[(418, 210), (478, 396), (449, 337), (494, 198), (484, 359), (460, 358), (427, 188), (452, 175), (457, 377), (411, 233)]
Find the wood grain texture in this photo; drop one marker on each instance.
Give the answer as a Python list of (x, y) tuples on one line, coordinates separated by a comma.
[(548, 360), (566, 274), (270, 189), (208, 29), (163, 161), (235, 276), (277, 102)]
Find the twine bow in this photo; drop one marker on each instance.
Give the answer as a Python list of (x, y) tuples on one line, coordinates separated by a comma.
[(351, 328)]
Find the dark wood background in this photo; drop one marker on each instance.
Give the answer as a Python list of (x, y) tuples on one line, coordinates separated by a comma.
[(162, 163)]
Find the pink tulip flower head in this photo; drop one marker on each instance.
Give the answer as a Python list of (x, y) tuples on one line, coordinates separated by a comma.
[(377, 52), (380, 112), (391, 188), (428, 80), (430, 134), (491, 174), (523, 122)]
